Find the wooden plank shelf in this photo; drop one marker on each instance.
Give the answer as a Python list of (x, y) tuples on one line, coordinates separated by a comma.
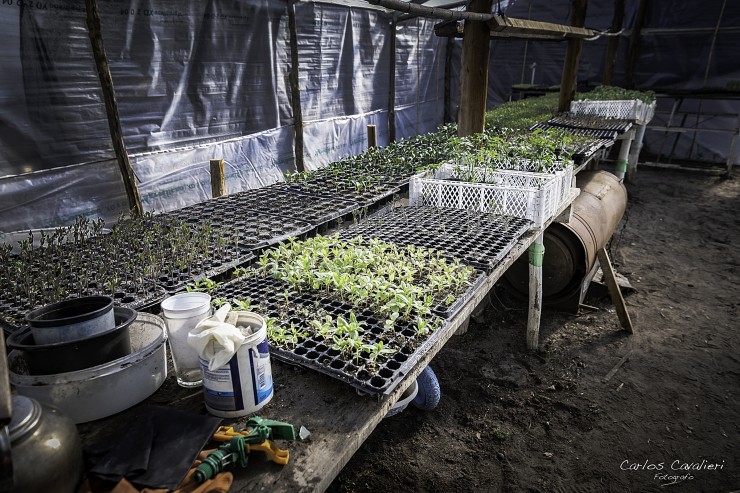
[(338, 418)]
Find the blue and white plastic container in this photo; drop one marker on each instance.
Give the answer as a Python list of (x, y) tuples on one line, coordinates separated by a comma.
[(244, 384)]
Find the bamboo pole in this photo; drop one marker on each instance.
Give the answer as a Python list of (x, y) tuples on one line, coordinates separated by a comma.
[(613, 43), (111, 107), (569, 79), (474, 72), (392, 83), (448, 80), (295, 93)]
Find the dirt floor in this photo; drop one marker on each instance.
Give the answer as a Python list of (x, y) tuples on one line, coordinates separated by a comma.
[(667, 420)]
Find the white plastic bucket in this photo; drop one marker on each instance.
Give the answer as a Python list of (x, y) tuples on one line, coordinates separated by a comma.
[(244, 384), (182, 312)]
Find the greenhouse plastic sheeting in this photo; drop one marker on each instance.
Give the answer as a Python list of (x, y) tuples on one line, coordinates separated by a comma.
[(344, 60), (420, 59), (330, 140), (51, 111), (249, 162), (194, 81), (60, 195), (188, 73)]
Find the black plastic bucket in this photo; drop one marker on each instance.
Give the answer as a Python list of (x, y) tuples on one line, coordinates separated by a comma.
[(63, 357), (72, 319)]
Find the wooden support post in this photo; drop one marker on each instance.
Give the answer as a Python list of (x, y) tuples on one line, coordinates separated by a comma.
[(372, 136), (569, 78), (392, 83), (474, 72), (111, 107), (634, 155), (6, 408), (613, 43), (536, 257), (616, 294), (731, 152), (448, 79), (632, 51), (295, 92), (218, 178)]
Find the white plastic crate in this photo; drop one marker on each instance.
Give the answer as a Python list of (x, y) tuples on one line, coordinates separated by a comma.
[(533, 196), (629, 109)]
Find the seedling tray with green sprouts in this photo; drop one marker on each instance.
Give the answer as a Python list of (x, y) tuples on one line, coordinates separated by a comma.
[(246, 230), (590, 122), (278, 200), (600, 139), (295, 324), (365, 190), (362, 300), (479, 239), (79, 260)]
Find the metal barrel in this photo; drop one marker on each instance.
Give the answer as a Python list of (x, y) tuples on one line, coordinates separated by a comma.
[(570, 248)]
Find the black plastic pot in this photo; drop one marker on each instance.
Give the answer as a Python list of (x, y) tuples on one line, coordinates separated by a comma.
[(71, 319), (63, 357)]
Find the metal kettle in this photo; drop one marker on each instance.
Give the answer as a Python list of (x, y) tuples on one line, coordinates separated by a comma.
[(40, 449)]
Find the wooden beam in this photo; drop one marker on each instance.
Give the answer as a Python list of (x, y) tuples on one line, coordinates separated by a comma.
[(474, 72), (434, 13), (448, 80), (218, 178), (611, 283), (295, 92), (536, 256), (632, 50), (372, 136), (392, 83), (456, 29), (513, 26), (111, 107), (569, 79), (613, 43)]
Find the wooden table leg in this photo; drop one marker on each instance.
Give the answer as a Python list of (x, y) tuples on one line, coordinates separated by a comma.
[(634, 155), (536, 255), (622, 160), (616, 294)]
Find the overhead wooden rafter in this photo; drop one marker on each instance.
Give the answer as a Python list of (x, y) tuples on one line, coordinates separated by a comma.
[(500, 25), (508, 27)]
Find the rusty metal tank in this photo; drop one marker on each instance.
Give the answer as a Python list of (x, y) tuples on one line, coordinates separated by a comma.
[(570, 248)]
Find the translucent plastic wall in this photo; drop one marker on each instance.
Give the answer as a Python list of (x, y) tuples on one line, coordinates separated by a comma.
[(194, 81)]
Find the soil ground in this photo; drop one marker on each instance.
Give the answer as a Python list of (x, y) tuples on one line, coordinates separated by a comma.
[(511, 420)]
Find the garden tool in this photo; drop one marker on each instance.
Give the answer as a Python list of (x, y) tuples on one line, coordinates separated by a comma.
[(256, 436)]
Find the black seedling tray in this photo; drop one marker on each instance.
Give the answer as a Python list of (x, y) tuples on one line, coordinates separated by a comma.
[(344, 189), (478, 239), (379, 378), (12, 318), (321, 210), (591, 123), (211, 270), (278, 200), (256, 230), (449, 311)]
